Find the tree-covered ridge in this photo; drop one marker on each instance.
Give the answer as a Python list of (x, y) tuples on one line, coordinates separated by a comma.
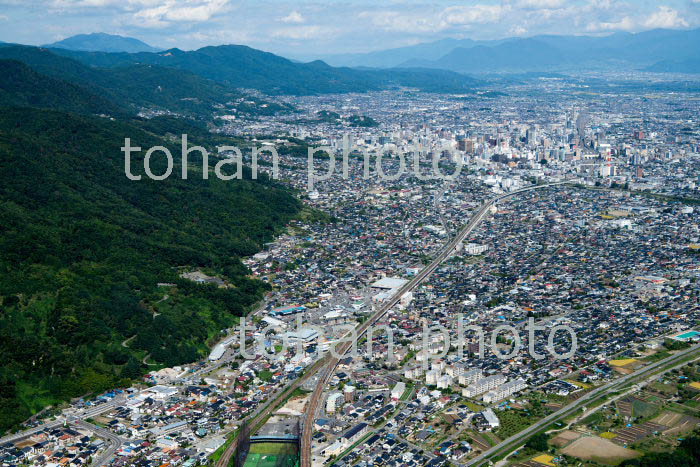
[(133, 86), (82, 249), (22, 86), (244, 67)]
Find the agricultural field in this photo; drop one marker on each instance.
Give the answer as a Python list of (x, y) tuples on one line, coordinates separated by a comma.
[(597, 449), (646, 422)]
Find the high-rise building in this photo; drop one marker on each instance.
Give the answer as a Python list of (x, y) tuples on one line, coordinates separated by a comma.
[(349, 393)]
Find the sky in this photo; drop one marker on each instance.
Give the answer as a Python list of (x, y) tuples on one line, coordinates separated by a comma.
[(307, 28)]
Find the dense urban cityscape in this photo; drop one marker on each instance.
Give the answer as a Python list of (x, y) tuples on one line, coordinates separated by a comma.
[(434, 262), (611, 253)]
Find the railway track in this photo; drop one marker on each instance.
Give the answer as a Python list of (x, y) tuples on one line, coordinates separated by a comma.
[(312, 407)]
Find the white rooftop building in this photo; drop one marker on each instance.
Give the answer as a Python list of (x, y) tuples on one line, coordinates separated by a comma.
[(389, 283), (484, 384), (504, 391), (398, 390)]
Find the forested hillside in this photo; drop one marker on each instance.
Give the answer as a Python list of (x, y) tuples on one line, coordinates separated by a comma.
[(83, 249), (134, 86), (22, 86), (243, 67)]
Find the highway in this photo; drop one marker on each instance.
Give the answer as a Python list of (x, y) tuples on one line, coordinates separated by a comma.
[(312, 407), (27, 433), (516, 440)]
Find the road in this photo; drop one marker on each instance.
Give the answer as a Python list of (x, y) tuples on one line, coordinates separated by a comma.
[(438, 197), (77, 418), (312, 407), (519, 438), (79, 414), (114, 441), (447, 251), (27, 433)]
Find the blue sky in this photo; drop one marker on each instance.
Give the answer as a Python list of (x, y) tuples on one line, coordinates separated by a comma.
[(307, 28)]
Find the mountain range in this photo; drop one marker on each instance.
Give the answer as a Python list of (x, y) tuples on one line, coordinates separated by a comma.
[(656, 50), (659, 50), (238, 66), (244, 67), (21, 86), (401, 55), (129, 88), (101, 42)]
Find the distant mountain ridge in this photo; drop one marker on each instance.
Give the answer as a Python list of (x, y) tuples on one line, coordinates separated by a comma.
[(520, 55), (133, 85), (391, 58), (691, 65), (655, 50), (244, 67), (101, 42)]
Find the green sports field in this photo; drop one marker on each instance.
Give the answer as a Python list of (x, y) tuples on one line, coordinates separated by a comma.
[(272, 455)]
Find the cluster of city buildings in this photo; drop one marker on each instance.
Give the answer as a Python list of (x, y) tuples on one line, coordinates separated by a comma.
[(613, 257)]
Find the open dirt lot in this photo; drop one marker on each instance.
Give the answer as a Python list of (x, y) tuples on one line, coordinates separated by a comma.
[(296, 404), (564, 438), (593, 448)]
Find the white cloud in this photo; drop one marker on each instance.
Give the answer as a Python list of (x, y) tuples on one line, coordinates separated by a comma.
[(67, 4), (3, 18), (437, 21), (625, 24), (224, 36), (293, 17), (123, 4), (665, 17), (302, 32), (539, 4), (148, 13), (466, 15), (398, 22), (169, 11), (518, 31)]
